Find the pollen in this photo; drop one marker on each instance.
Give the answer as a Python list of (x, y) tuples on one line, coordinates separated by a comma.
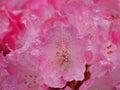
[(63, 56), (30, 80), (109, 52), (62, 52), (108, 47)]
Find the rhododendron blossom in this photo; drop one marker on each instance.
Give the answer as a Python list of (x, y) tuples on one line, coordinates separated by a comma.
[(59, 45), (61, 56)]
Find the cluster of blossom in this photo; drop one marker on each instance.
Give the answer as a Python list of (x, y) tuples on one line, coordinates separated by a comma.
[(59, 44)]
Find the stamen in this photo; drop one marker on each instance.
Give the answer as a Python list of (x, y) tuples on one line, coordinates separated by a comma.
[(109, 52), (115, 16), (30, 80), (30, 76), (108, 47), (57, 53), (63, 56)]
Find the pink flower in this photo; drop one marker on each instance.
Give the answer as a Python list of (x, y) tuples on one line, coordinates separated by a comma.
[(109, 81), (60, 59), (59, 44), (104, 76), (22, 71)]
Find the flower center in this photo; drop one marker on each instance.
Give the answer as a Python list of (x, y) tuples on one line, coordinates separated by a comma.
[(62, 53), (30, 80)]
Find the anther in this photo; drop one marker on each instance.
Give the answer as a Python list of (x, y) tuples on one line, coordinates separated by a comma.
[(108, 47), (109, 52), (30, 76)]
